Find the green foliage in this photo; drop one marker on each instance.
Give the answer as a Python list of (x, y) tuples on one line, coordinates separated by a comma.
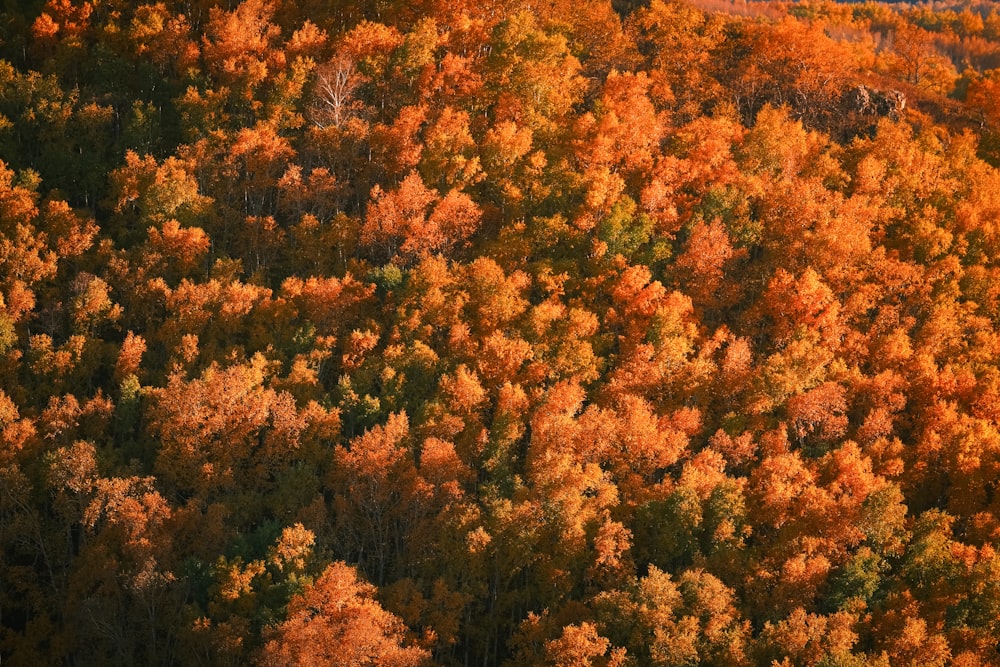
[(857, 582)]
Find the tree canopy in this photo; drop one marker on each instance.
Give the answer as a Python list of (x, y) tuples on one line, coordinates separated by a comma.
[(499, 333)]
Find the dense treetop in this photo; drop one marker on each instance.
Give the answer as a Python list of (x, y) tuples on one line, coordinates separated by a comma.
[(499, 333)]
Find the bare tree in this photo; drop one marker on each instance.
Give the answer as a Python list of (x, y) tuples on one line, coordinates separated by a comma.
[(336, 83)]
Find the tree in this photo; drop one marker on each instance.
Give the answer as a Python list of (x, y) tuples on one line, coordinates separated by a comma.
[(916, 60), (163, 37), (450, 156), (33, 240), (374, 481), (337, 621), (788, 62), (227, 435), (681, 40), (334, 98), (536, 77), (705, 259), (240, 48), (414, 219), (812, 639), (982, 95), (665, 621)]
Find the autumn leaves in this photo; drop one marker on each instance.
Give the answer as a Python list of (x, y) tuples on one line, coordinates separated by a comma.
[(404, 333)]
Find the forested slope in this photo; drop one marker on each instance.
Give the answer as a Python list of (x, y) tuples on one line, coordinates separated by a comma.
[(499, 333)]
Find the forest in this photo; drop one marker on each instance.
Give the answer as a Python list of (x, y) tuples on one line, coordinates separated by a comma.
[(499, 333)]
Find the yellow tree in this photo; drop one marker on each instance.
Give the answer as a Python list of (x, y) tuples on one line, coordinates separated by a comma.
[(338, 621)]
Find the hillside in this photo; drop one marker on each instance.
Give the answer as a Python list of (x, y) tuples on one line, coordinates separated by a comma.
[(499, 333)]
